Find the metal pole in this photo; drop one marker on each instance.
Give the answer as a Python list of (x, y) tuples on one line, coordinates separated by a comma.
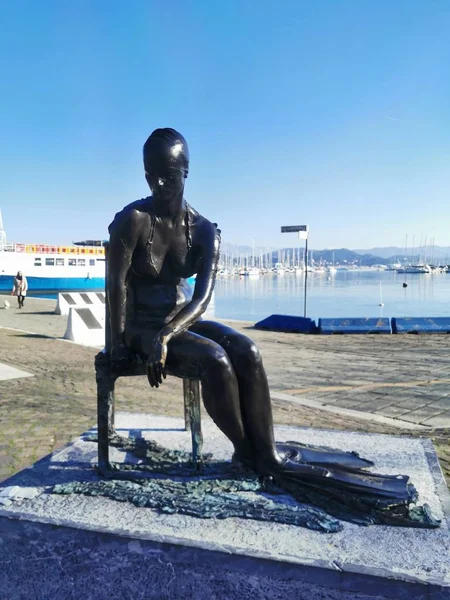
[(306, 275)]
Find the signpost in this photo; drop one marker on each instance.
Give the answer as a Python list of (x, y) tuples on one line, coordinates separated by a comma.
[(294, 229), (303, 235)]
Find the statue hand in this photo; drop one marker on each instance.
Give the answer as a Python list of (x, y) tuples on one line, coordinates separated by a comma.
[(156, 363)]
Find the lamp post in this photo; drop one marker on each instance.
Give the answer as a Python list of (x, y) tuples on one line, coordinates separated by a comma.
[(303, 235)]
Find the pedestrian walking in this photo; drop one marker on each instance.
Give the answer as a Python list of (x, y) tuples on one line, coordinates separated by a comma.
[(20, 287)]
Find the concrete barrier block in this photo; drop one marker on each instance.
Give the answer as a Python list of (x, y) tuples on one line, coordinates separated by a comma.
[(355, 325), (421, 325), (68, 300), (86, 326), (288, 324)]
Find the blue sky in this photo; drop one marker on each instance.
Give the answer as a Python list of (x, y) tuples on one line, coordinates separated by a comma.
[(332, 113)]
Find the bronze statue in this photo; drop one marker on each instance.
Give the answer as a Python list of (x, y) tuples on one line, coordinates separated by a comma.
[(155, 244)]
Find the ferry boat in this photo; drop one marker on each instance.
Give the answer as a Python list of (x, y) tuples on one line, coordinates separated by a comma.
[(51, 269)]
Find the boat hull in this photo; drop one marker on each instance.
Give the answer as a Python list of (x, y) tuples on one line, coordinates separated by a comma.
[(49, 285)]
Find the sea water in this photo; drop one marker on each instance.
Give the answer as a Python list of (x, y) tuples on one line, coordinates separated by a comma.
[(340, 294)]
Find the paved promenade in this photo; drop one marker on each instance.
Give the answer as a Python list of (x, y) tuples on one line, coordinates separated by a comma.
[(392, 384), (405, 377)]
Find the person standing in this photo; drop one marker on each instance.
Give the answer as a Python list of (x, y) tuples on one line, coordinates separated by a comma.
[(20, 287)]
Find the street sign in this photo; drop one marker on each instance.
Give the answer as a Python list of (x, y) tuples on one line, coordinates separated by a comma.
[(294, 228), (302, 231)]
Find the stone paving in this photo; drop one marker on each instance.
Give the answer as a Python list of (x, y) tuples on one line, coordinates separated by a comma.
[(405, 378)]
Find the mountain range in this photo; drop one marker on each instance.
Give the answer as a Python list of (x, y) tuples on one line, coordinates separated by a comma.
[(388, 251), (364, 257)]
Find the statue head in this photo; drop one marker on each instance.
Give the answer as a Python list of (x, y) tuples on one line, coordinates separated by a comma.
[(166, 162)]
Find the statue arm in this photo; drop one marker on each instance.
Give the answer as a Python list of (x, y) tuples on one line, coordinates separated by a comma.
[(123, 239), (204, 284)]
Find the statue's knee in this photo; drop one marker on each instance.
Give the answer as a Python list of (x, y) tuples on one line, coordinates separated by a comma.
[(247, 352), (219, 364), (253, 353)]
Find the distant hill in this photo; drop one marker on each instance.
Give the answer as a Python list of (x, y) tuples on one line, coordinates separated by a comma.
[(438, 252), (344, 256), (338, 256)]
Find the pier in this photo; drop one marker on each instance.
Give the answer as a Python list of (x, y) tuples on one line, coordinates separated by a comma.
[(387, 384)]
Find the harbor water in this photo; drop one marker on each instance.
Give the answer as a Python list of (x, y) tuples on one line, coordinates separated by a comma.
[(340, 294)]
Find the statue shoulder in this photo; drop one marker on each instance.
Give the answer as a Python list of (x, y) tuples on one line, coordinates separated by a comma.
[(131, 214), (206, 232)]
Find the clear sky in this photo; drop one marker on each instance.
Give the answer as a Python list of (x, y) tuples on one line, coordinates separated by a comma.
[(333, 113)]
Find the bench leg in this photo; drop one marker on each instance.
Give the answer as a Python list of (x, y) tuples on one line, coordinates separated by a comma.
[(105, 417), (192, 415)]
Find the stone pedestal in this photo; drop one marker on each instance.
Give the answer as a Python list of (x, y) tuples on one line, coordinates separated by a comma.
[(76, 546)]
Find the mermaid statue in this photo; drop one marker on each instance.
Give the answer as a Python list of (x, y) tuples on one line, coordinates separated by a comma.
[(156, 244)]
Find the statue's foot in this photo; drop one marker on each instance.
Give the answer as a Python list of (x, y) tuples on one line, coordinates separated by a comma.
[(284, 462), (277, 462), (294, 456)]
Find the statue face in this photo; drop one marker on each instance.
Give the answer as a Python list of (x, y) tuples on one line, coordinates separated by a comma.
[(167, 164), (166, 183)]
